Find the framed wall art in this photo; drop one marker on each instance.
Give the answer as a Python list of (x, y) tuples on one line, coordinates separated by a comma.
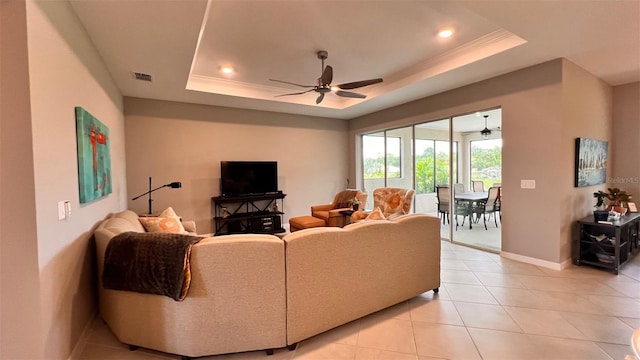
[(94, 157), (591, 162)]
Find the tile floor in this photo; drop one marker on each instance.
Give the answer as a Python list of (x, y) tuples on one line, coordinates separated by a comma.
[(488, 308)]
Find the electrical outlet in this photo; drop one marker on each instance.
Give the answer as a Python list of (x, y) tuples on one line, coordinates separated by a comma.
[(527, 184)]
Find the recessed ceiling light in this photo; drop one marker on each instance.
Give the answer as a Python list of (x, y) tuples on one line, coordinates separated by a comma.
[(445, 33), (227, 70)]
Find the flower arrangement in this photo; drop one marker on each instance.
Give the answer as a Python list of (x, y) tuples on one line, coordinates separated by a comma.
[(355, 203), (614, 196)]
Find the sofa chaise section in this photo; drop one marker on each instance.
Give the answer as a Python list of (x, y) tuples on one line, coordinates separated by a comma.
[(336, 275)]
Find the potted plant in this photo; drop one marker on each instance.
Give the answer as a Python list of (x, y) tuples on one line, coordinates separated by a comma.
[(615, 197), (355, 204)]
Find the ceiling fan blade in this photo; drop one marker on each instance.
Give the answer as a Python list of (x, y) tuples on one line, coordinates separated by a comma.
[(319, 99), (350, 94), (327, 76), (297, 93), (290, 83), (357, 84)]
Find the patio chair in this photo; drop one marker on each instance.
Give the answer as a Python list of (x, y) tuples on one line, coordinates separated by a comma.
[(444, 198), (488, 207)]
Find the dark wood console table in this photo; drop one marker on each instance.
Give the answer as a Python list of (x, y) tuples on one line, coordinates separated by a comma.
[(248, 214), (608, 245)]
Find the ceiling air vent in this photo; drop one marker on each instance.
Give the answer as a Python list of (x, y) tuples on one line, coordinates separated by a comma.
[(142, 76)]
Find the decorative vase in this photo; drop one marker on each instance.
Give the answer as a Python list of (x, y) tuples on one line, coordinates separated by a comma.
[(355, 207), (600, 215)]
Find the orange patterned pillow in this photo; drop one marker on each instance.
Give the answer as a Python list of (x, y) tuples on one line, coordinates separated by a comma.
[(166, 222), (376, 214)]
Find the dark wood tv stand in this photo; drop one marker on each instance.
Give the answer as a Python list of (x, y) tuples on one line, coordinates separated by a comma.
[(248, 214)]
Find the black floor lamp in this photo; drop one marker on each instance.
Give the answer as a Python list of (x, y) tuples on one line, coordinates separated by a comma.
[(173, 185)]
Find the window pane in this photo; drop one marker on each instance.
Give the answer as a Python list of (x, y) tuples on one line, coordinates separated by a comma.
[(393, 157), (424, 166), (442, 162), (373, 156), (486, 161)]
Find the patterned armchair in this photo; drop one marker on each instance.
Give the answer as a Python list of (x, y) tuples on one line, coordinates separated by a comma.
[(330, 213), (392, 202)]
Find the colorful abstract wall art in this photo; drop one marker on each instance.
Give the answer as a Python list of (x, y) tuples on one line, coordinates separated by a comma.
[(94, 157)]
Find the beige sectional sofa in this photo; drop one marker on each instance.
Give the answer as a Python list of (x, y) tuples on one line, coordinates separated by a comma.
[(236, 301), (336, 275), (251, 292)]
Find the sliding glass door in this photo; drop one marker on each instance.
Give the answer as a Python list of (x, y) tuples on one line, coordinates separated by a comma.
[(451, 152), (480, 136)]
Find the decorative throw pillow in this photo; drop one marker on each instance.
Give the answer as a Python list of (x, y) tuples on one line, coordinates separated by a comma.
[(393, 203), (376, 214), (395, 215), (166, 222)]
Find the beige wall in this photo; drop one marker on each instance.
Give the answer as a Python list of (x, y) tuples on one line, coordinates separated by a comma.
[(64, 71), (626, 139), (20, 336), (172, 141), (536, 145), (587, 110)]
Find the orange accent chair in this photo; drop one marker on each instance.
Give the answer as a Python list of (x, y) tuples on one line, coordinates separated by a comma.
[(393, 202), (330, 213)]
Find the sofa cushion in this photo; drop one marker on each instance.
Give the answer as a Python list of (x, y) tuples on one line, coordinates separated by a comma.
[(395, 215), (166, 222), (132, 218), (376, 214)]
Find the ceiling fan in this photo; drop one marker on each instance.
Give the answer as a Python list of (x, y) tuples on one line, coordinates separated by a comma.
[(324, 83)]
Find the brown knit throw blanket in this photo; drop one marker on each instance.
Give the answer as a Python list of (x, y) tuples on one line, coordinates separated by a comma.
[(153, 263), (344, 198)]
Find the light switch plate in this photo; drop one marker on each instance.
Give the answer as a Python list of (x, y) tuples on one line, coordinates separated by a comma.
[(61, 212), (527, 184), (64, 209)]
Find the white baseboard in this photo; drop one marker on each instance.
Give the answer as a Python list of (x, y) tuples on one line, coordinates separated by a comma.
[(537, 262)]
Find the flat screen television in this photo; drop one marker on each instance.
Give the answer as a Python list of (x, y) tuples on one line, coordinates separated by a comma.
[(238, 178)]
